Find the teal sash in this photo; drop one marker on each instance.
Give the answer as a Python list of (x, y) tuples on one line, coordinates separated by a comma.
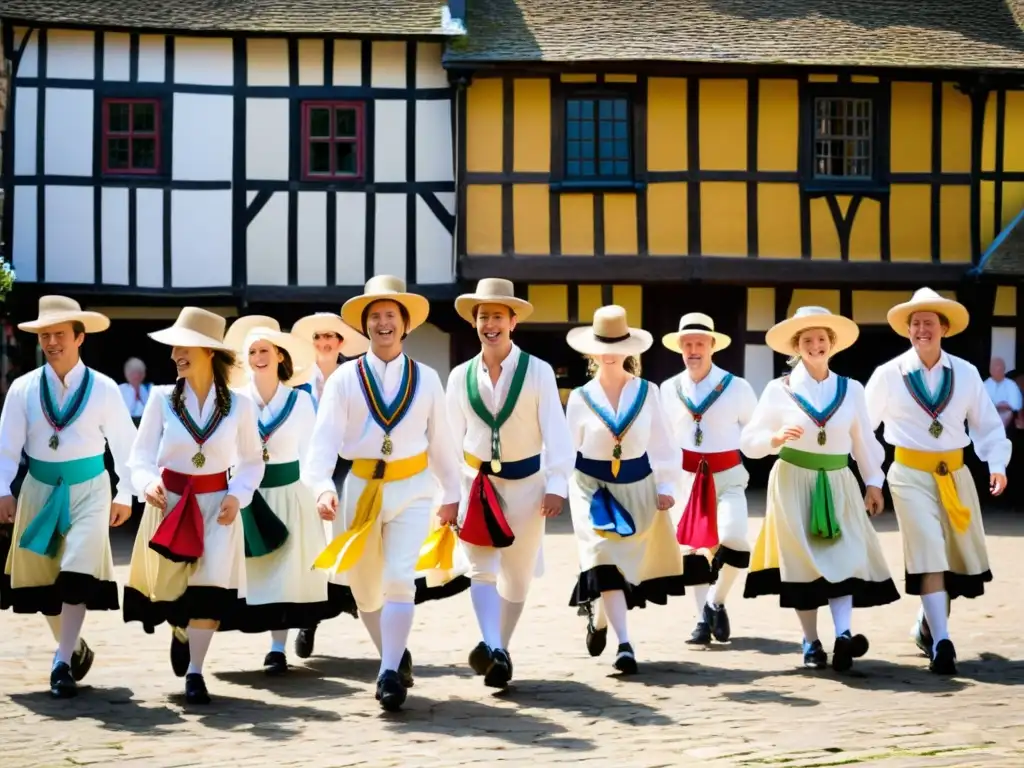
[(51, 524), (263, 530)]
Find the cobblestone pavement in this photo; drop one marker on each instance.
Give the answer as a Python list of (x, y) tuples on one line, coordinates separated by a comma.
[(745, 704)]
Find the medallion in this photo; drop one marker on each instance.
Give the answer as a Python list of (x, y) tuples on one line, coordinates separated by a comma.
[(266, 453), (822, 437), (495, 466), (698, 436), (199, 460), (54, 442), (935, 430), (387, 446)]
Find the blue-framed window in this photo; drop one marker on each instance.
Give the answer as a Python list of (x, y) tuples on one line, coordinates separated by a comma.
[(597, 138)]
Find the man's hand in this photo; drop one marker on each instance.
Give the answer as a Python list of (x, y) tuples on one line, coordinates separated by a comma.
[(448, 514), (156, 496), (229, 509), (119, 513), (327, 505), (873, 501), (785, 435), (7, 509), (665, 502), (552, 505), (996, 483)]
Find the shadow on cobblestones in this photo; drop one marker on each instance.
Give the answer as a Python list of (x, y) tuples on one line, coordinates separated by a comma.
[(766, 645), (113, 708), (365, 670), (299, 683), (670, 674), (273, 721), (583, 699), (992, 668), (755, 696), (881, 675)]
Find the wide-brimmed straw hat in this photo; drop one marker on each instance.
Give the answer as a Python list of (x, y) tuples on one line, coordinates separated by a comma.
[(696, 323), (780, 336), (301, 351), (927, 300), (194, 327), (353, 343), (56, 310), (386, 288), (609, 334), (492, 290)]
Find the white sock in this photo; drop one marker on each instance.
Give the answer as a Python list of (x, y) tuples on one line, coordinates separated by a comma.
[(935, 611), (510, 613), (615, 604), (721, 588), (71, 619), (198, 644), (371, 620), (278, 638), (396, 625), (809, 624), (700, 596), (842, 613), (487, 607)]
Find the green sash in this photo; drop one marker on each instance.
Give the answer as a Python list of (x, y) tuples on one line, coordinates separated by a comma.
[(264, 531), (492, 421), (823, 523), (51, 524)]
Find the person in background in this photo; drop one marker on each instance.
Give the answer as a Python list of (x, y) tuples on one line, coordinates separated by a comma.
[(1004, 392), (135, 390)]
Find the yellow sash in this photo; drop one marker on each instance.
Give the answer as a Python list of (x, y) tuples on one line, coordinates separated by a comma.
[(346, 549), (941, 465)]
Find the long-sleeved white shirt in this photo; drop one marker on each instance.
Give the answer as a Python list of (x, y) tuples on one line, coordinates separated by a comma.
[(345, 427), (721, 424), (135, 401), (536, 425), (847, 432), (290, 441), (649, 433), (164, 443), (104, 420), (1005, 391), (906, 423)]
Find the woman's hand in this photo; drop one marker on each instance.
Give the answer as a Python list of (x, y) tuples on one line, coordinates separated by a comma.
[(873, 500), (228, 510), (156, 496), (665, 502), (785, 435), (327, 506)]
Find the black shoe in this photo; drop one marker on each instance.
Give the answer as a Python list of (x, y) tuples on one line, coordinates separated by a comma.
[(923, 638), (625, 660), (195, 689), (719, 621), (180, 656), (847, 648), (405, 670), (304, 642), (597, 639), (390, 691), (480, 658), (62, 684), (500, 671), (275, 663), (944, 659), (814, 655), (701, 634), (81, 661)]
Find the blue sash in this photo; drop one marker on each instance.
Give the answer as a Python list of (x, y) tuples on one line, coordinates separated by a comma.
[(51, 524), (607, 516)]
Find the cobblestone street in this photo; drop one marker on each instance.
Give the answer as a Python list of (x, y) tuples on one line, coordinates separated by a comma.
[(745, 704)]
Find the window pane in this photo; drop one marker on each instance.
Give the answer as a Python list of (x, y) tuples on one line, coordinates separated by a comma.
[(572, 130), (622, 149), (607, 168), (587, 149), (345, 123), (572, 109), (607, 149), (143, 153), (621, 130), (144, 118), (572, 150), (622, 168), (588, 168), (587, 109), (605, 130), (620, 109), (320, 122), (606, 110), (588, 129), (572, 168), (345, 157), (117, 153), (319, 157), (118, 117)]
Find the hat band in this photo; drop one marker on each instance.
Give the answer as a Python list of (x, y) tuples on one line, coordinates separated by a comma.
[(696, 327), (612, 339)]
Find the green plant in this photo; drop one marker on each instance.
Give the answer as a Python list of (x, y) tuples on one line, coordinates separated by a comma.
[(6, 278)]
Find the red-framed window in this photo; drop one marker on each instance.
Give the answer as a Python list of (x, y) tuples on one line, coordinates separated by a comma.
[(131, 136), (332, 140)]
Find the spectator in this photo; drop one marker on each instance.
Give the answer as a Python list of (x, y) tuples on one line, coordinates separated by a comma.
[(1004, 392), (135, 390)]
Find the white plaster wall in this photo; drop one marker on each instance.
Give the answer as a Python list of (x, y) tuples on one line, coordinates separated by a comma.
[(312, 241), (114, 235), (149, 237), (266, 139), (351, 238), (69, 235), (116, 56), (70, 54), (26, 117), (203, 135), (389, 235), (758, 366), (434, 262), (68, 132), (25, 240), (267, 242), (201, 238), (203, 61)]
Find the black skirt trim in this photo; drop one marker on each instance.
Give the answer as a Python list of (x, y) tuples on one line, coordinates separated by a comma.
[(455, 586), (816, 594), (697, 570), (199, 603), (957, 584), (71, 588), (733, 557), (608, 578)]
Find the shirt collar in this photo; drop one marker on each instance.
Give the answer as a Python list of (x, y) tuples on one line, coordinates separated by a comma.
[(71, 380), (800, 376), (276, 401), (910, 361), (714, 376), (510, 359), (379, 366)]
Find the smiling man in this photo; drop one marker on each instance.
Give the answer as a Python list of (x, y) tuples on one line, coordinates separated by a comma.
[(62, 415), (505, 413), (924, 397)]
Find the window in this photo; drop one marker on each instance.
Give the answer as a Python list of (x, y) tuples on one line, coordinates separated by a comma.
[(332, 134), (843, 139), (597, 139), (131, 136)]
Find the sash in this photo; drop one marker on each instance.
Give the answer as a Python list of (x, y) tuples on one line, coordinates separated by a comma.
[(698, 525), (820, 418), (45, 534), (496, 422), (179, 537), (608, 517), (941, 466), (266, 431), (60, 419), (264, 531), (823, 523), (697, 411), (199, 434), (933, 406), (620, 428), (388, 415)]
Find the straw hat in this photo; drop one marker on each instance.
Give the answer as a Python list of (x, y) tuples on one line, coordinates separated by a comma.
[(927, 300), (56, 310), (492, 290), (301, 351), (353, 343), (194, 327), (240, 328), (780, 336), (609, 334), (692, 324), (386, 288)]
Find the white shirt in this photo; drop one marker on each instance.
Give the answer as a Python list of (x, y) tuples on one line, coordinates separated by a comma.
[(136, 405), (721, 423), (290, 441), (906, 423), (164, 443), (537, 423), (103, 420), (1005, 391), (344, 426), (649, 433), (847, 432)]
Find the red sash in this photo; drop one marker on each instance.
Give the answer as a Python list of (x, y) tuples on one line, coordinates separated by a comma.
[(485, 524), (698, 527), (179, 537)]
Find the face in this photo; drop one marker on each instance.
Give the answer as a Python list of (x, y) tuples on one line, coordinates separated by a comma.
[(328, 345), (813, 346), (494, 324), (135, 376), (59, 343), (191, 360), (926, 332), (997, 368), (384, 325), (611, 361), (263, 359), (696, 350)]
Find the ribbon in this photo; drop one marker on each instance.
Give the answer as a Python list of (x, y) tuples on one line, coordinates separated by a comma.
[(608, 517), (820, 418), (697, 411), (823, 523), (438, 551), (199, 434), (941, 466), (46, 531), (485, 524), (495, 423), (388, 415), (267, 430), (60, 419), (179, 537), (621, 427), (933, 406), (264, 531), (698, 526)]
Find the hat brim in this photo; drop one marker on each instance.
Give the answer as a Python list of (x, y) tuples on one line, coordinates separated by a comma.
[(672, 340), (955, 312), (417, 306), (353, 342), (94, 322), (467, 302), (780, 336), (239, 329), (183, 337), (583, 340), (302, 353)]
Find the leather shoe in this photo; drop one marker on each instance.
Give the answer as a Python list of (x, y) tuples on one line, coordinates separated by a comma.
[(480, 658), (275, 663), (625, 659), (847, 648), (719, 621), (500, 671), (701, 634), (195, 689), (405, 670), (304, 641), (62, 684), (81, 660), (944, 659), (390, 691), (814, 655), (181, 657), (597, 639)]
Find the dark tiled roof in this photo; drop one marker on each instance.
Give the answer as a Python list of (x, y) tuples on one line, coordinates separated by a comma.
[(381, 17), (903, 33), (1007, 252)]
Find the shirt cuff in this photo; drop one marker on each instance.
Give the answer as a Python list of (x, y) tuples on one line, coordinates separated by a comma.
[(557, 485), (123, 497), (666, 489), (451, 496), (5, 490), (996, 469), (875, 481), (326, 486)]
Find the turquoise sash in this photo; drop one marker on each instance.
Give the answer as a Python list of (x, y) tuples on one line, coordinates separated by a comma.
[(51, 524)]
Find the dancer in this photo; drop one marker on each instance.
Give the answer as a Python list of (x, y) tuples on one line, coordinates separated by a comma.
[(924, 397), (707, 409), (816, 545), (61, 415), (387, 413), (188, 564), (505, 413), (626, 471)]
